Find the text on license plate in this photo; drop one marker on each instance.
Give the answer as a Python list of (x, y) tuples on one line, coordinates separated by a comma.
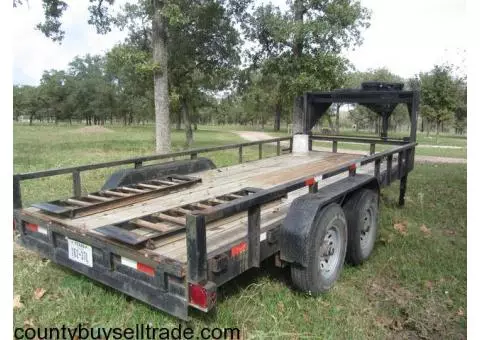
[(80, 252)]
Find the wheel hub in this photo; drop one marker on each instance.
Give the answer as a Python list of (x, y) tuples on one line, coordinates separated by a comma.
[(329, 255), (365, 228)]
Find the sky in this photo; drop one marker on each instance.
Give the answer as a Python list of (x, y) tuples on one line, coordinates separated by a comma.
[(406, 36)]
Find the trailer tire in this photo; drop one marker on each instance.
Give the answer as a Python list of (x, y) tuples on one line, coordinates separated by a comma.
[(327, 242), (361, 211)]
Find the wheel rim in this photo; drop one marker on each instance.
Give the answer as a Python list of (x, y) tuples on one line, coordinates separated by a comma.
[(330, 252), (366, 229)]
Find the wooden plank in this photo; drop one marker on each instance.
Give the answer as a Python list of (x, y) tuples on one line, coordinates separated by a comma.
[(182, 210), (217, 200), (201, 206), (78, 202), (178, 220), (139, 191), (176, 180), (149, 186), (115, 193), (125, 236), (234, 195), (99, 198), (155, 226), (162, 182)]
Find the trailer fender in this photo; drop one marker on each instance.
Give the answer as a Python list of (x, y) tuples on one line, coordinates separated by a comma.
[(305, 211), (145, 173)]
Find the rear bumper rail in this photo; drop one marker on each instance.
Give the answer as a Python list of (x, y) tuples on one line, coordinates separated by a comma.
[(161, 290)]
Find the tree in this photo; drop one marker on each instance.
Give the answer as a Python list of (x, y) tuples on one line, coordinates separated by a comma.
[(439, 95), (129, 72), (163, 16), (302, 45), (25, 102), (92, 94), (54, 90), (461, 108)]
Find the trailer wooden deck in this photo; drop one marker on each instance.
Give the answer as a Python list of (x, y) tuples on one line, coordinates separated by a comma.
[(262, 174)]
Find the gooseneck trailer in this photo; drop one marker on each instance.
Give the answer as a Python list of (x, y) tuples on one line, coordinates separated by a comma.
[(171, 233)]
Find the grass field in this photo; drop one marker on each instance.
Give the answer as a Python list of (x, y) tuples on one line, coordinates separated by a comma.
[(414, 286), (447, 145), (49, 146)]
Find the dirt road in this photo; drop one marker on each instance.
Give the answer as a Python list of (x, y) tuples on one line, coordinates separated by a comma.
[(258, 135)]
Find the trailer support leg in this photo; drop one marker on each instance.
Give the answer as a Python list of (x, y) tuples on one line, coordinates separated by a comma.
[(403, 190)]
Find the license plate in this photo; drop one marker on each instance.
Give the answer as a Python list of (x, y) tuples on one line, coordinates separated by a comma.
[(80, 252)]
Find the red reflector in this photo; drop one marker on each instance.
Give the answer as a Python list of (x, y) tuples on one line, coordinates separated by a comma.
[(32, 227), (310, 181), (145, 269), (198, 295), (352, 167), (239, 248)]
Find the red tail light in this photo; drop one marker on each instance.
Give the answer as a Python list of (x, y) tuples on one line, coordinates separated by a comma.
[(32, 227), (202, 297), (310, 181), (238, 249), (198, 296)]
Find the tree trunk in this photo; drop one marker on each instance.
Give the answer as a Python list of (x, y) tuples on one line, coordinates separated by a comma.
[(179, 121), (298, 115), (438, 130), (187, 123), (330, 123), (337, 120), (278, 111), (299, 9), (160, 80)]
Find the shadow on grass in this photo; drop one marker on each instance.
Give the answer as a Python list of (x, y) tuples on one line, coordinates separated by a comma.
[(230, 289), (238, 284)]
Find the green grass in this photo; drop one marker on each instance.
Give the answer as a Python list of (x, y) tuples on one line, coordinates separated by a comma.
[(48, 146), (420, 150), (424, 143), (413, 286)]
